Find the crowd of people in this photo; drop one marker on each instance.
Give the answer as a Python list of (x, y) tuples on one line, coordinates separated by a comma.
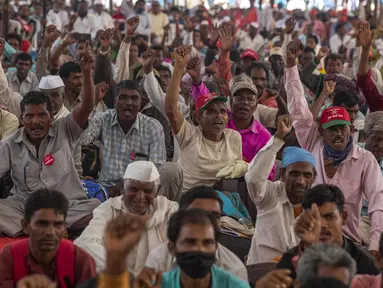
[(172, 147)]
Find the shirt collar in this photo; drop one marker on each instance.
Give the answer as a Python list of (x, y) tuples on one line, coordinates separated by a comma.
[(136, 124), (15, 79), (254, 126)]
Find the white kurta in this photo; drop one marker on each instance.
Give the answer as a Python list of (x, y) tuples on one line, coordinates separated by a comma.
[(92, 239)]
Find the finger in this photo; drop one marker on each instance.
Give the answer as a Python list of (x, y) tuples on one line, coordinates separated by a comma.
[(315, 211), (159, 280)]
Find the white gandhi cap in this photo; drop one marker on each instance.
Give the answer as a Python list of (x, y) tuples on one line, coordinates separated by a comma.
[(144, 171), (51, 82)]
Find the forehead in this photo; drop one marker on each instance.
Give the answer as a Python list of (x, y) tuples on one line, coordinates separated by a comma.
[(197, 231), (215, 105), (75, 74), (206, 204), (342, 127), (276, 58), (351, 109), (334, 61), (328, 207), (258, 72), (129, 184), (303, 167), (47, 214), (35, 108), (164, 73), (128, 92), (23, 61)]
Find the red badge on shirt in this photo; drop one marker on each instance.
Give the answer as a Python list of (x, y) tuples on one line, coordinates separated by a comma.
[(49, 160), (133, 156)]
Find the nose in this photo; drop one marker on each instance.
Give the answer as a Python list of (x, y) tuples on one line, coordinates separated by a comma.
[(50, 230), (301, 179)]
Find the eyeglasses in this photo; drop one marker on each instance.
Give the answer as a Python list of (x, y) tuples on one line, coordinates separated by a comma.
[(245, 99)]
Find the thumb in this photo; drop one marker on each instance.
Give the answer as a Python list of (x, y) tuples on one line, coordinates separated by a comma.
[(315, 211)]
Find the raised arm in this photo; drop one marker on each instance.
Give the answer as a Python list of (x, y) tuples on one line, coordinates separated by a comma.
[(59, 50), (176, 118), (328, 89), (305, 126), (85, 107), (42, 59), (364, 79), (103, 67), (224, 63), (262, 191), (122, 71)]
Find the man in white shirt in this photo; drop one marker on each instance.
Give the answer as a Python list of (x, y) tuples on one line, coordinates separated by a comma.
[(103, 19), (58, 16), (140, 197), (340, 39), (145, 25), (278, 203), (85, 23), (204, 198), (159, 21), (251, 40)]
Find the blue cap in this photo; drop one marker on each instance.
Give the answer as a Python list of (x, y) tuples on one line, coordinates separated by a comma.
[(294, 154)]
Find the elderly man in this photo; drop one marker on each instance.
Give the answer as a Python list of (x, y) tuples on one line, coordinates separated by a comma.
[(140, 196), (278, 203), (160, 21), (39, 155), (45, 251), (207, 199), (206, 149), (339, 162)]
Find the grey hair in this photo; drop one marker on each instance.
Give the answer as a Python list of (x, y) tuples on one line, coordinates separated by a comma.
[(156, 183), (319, 255), (373, 121), (239, 78)]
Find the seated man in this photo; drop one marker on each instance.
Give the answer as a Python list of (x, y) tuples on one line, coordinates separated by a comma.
[(278, 203), (45, 251), (339, 161), (325, 260), (193, 241), (141, 183), (127, 136), (206, 149), (204, 198), (320, 260), (39, 155), (322, 221)]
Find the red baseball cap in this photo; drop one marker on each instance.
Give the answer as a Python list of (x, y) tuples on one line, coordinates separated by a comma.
[(333, 116), (204, 100), (250, 53)]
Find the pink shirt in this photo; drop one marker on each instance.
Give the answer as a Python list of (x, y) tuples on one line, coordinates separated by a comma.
[(367, 281), (358, 176), (253, 140)]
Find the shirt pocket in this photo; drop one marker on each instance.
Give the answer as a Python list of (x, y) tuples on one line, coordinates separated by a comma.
[(55, 173), (26, 176)]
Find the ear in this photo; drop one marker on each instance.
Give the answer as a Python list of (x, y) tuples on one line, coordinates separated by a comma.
[(344, 216), (171, 248), (25, 226), (283, 171)]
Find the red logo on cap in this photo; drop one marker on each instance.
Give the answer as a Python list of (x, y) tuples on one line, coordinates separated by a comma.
[(49, 160), (133, 156)]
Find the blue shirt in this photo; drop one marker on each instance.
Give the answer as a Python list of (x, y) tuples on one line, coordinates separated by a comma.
[(220, 279)]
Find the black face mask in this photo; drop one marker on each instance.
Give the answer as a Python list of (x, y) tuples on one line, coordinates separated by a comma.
[(195, 264)]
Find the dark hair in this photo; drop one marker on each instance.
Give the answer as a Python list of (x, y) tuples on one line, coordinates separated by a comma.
[(346, 98), (15, 36), (67, 68), (332, 57), (199, 192), (163, 68), (381, 244), (174, 9), (190, 216), (324, 282), (36, 98), (339, 25), (314, 37), (23, 57), (260, 66), (308, 50), (46, 199), (157, 47), (321, 194), (139, 1), (129, 85)]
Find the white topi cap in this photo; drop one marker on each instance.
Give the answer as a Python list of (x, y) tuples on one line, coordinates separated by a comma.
[(144, 171), (254, 24), (51, 82)]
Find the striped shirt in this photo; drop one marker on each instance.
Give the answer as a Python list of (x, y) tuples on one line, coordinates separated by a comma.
[(144, 141)]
